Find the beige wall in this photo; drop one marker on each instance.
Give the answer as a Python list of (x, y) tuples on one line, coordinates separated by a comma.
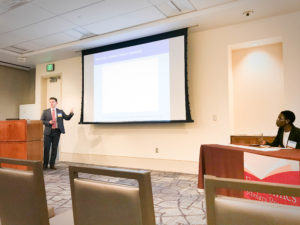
[(16, 87), (209, 68), (258, 88), (31, 88)]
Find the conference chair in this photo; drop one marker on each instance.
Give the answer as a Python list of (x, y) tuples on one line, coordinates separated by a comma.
[(223, 210), (22, 194), (98, 202)]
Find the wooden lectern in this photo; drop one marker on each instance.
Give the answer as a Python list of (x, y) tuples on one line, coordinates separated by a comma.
[(21, 139)]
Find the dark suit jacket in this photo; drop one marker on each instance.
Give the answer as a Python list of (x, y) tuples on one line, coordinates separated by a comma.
[(60, 114), (294, 136)]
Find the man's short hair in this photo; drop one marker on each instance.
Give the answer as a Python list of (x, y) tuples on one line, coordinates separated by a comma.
[(289, 115), (53, 98)]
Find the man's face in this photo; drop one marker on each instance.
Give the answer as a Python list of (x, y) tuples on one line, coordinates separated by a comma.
[(53, 103)]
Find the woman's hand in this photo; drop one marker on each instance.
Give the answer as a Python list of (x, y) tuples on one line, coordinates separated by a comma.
[(261, 141)]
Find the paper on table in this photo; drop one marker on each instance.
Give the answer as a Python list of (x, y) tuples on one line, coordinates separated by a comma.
[(262, 148)]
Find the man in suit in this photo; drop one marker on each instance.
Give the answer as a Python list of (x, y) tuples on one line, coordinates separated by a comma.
[(53, 119), (288, 135)]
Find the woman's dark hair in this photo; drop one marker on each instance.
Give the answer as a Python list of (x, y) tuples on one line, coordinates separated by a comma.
[(289, 115)]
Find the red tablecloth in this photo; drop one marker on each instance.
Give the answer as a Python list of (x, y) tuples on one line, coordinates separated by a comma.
[(228, 161)]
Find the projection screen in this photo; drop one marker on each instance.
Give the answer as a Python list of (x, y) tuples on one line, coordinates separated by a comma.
[(138, 81)]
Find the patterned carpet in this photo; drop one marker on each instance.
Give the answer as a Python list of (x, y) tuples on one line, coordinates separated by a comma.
[(176, 197)]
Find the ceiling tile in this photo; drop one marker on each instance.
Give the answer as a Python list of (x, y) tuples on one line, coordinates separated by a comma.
[(60, 7), (47, 27), (74, 33), (29, 45), (184, 5), (53, 40), (132, 19), (203, 4), (16, 49), (79, 33), (7, 5), (104, 10), (9, 39), (21, 17)]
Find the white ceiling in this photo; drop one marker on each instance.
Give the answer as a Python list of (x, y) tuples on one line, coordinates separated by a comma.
[(39, 31)]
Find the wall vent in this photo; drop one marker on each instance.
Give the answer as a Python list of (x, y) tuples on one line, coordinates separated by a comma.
[(53, 79)]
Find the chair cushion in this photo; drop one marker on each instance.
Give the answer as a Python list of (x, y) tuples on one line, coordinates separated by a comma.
[(65, 218), (250, 212), (109, 203), (18, 200)]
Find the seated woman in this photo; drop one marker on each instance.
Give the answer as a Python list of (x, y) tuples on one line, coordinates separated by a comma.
[(288, 135)]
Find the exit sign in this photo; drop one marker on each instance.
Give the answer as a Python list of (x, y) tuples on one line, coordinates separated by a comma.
[(50, 67)]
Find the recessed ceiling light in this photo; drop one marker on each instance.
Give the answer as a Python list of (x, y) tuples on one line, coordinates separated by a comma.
[(248, 12)]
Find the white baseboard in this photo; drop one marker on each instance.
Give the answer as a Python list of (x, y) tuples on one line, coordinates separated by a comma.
[(179, 166)]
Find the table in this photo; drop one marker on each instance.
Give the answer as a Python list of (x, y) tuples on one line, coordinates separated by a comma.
[(228, 161)]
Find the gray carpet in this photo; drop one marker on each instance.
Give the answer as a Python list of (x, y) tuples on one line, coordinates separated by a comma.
[(176, 197)]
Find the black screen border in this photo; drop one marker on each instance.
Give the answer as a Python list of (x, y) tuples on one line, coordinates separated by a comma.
[(157, 37)]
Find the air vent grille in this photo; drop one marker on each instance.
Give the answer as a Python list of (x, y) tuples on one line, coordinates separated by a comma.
[(82, 33), (173, 7), (16, 49)]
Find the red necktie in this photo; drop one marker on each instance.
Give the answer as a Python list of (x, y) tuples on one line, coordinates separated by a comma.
[(53, 119)]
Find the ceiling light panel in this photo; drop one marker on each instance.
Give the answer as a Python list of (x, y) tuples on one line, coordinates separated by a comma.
[(29, 45), (83, 33), (104, 10), (60, 7), (173, 7), (22, 16), (16, 49), (204, 4), (146, 15), (75, 32)]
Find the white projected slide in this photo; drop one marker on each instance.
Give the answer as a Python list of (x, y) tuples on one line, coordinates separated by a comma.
[(128, 88), (134, 83)]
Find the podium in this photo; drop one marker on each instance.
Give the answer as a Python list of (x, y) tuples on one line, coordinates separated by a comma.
[(21, 139)]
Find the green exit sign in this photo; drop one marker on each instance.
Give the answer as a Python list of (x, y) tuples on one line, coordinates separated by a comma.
[(50, 67)]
